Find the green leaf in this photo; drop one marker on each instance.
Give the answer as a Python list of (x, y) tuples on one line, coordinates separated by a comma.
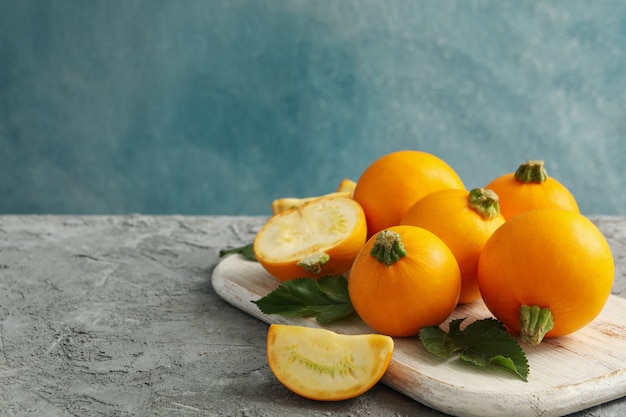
[(327, 299), (484, 342), (246, 250)]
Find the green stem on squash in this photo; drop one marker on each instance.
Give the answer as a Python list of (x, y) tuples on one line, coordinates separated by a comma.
[(388, 247), (532, 171), (485, 202), (535, 322), (314, 263)]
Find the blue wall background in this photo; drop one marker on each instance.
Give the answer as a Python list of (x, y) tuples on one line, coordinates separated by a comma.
[(218, 107)]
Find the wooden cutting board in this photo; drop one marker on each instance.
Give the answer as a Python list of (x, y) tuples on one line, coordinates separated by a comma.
[(567, 374)]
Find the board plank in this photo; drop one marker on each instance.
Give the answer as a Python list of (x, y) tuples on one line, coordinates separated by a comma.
[(567, 374)]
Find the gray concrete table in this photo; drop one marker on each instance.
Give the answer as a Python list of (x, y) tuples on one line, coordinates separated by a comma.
[(115, 316)]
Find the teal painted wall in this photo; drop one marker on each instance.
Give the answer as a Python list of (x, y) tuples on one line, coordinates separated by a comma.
[(218, 107)]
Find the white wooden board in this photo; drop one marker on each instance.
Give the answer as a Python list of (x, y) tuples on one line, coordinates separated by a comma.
[(567, 374)]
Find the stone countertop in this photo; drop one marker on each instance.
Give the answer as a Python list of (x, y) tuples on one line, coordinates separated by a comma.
[(116, 316)]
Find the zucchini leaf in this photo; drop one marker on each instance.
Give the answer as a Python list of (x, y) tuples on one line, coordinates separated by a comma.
[(246, 250), (326, 299), (484, 342)]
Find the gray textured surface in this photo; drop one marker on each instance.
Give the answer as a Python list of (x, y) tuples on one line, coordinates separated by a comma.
[(115, 316), (218, 107)]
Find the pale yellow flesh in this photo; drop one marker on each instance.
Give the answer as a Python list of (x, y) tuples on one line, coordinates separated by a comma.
[(344, 189), (283, 204), (308, 229), (323, 365)]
